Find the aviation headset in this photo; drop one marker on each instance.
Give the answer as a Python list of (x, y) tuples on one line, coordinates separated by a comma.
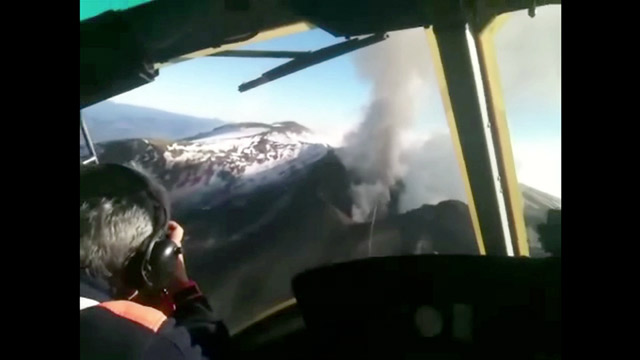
[(151, 267)]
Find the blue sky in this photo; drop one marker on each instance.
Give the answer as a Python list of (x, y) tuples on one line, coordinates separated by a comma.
[(330, 98), (327, 96), (208, 87)]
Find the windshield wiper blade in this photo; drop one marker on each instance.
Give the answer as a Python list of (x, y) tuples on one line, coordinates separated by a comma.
[(305, 60)]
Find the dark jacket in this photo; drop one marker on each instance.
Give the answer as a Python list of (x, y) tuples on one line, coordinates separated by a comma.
[(126, 330)]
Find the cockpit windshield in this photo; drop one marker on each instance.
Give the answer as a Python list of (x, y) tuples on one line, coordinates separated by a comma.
[(348, 159)]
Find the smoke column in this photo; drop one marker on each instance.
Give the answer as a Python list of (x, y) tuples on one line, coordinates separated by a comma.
[(397, 69)]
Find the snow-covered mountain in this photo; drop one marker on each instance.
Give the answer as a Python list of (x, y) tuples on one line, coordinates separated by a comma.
[(228, 162)]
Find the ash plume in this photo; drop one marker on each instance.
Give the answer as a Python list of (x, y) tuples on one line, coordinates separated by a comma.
[(397, 69)]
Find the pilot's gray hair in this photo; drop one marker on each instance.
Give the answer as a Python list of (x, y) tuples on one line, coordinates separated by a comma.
[(120, 208), (110, 232)]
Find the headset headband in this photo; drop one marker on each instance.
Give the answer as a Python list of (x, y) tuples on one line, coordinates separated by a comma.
[(115, 182)]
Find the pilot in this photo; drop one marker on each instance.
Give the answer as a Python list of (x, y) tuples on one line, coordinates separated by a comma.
[(136, 299)]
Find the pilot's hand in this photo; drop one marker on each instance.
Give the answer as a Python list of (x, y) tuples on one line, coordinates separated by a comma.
[(181, 279)]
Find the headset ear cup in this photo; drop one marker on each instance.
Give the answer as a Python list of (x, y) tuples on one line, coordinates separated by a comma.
[(162, 263)]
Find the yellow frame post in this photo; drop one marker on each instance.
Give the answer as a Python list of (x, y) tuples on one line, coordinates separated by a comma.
[(489, 69), (453, 129), (463, 91)]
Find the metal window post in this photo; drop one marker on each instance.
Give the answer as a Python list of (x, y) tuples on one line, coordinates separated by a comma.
[(87, 140), (484, 37)]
